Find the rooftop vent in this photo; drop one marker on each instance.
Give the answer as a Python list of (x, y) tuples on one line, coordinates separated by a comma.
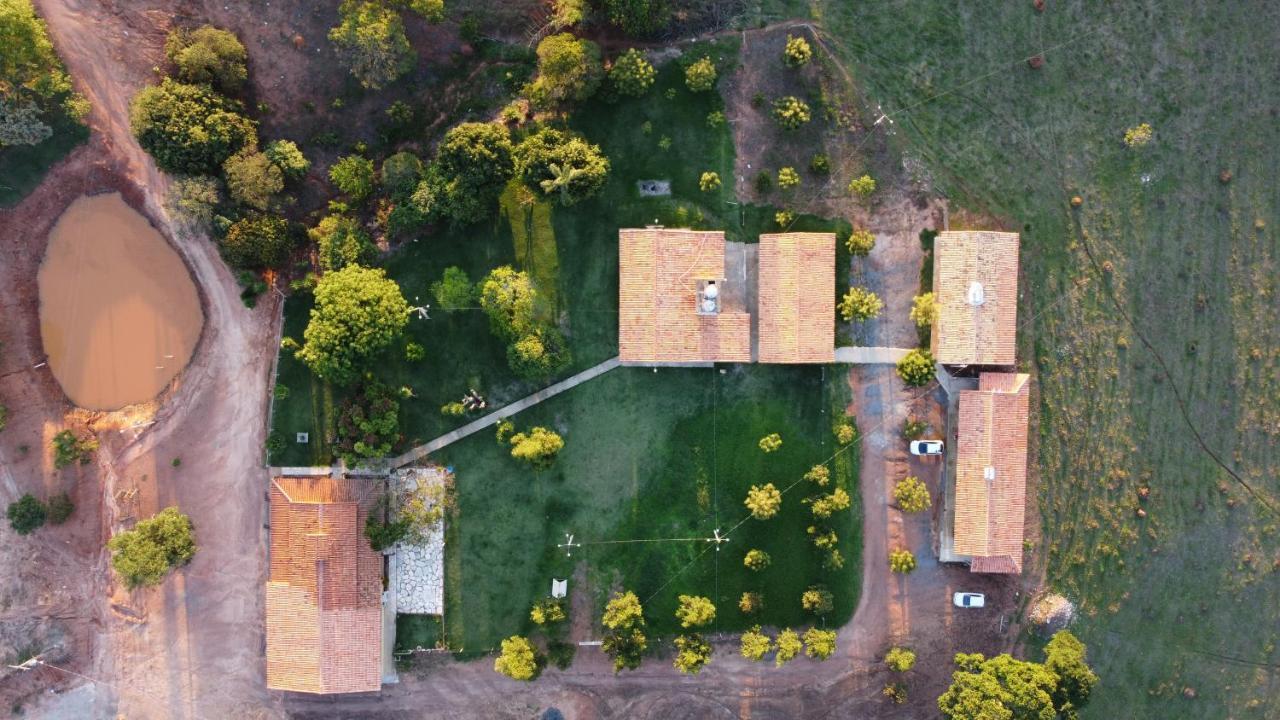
[(708, 298), (976, 296), (988, 473)]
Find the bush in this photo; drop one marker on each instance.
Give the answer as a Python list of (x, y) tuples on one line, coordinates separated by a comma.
[(554, 162), (819, 644), (632, 74), (860, 304), (354, 176), (371, 42), (788, 647), (518, 660), (845, 433), (538, 448), (539, 354), (756, 560), (797, 52), (358, 313), (60, 508), (453, 409), (189, 128), (507, 297), (700, 76), (755, 644), (454, 290), (401, 173), (252, 179), (709, 181), (763, 182), (692, 652), (695, 611), (817, 600), (208, 56), (820, 164), (818, 475), (144, 555), (286, 156), (790, 112), (788, 178), (860, 243), (1139, 135), (902, 561), (763, 501), (917, 368), (368, 424), (784, 218), (560, 653), (862, 186), (342, 242), (751, 603), (473, 164), (771, 442), (913, 429), (827, 505), (69, 449), (637, 17), (193, 198), (715, 119), (911, 495), (414, 352), (547, 611), (569, 69), (27, 514), (257, 242), (900, 659), (924, 310)]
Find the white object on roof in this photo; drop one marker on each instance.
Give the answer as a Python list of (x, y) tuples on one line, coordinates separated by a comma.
[(559, 588)]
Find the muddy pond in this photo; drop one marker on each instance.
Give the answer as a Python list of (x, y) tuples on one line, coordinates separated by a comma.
[(119, 313)]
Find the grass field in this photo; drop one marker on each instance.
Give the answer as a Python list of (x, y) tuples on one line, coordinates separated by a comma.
[(651, 455), (22, 167), (1150, 314)]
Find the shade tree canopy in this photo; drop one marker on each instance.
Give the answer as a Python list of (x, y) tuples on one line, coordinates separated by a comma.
[(560, 165), (144, 555), (258, 242), (189, 128), (569, 70), (472, 165), (358, 313), (208, 55), (341, 241), (371, 42), (631, 74), (252, 179), (518, 659)]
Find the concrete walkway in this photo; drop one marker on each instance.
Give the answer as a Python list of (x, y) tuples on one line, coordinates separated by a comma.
[(506, 411), (870, 355)]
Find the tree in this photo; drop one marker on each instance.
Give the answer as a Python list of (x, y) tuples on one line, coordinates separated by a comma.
[(507, 297), (538, 448), (285, 155), (845, 433), (401, 173), (189, 128), (144, 555), (353, 175), (68, 449), (862, 186), (569, 69), (341, 242), (256, 242), (1000, 687), (382, 530), (797, 52), (911, 495), (623, 610), (902, 561), (819, 475), (860, 304), (692, 652), (567, 13), (817, 600), (540, 354), (252, 179), (430, 10), (26, 514), (788, 178), (638, 17), (755, 644), (763, 501), (518, 659), (21, 125), (32, 79), (60, 508), (370, 40), (700, 76), (819, 644), (824, 538), (788, 647), (695, 611), (208, 56), (771, 442), (826, 505), (547, 611), (423, 507), (756, 560), (916, 368), (625, 641), (358, 313), (193, 198), (751, 603), (900, 659), (561, 163), (860, 243), (709, 181), (924, 310), (790, 112), (453, 291), (472, 165), (1064, 657), (368, 424), (632, 74)]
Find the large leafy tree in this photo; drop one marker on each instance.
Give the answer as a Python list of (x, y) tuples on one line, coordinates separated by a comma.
[(341, 241), (472, 165), (258, 241), (189, 128), (561, 164), (1064, 656), (632, 74), (358, 313), (999, 687), (145, 554), (209, 56), (569, 69), (252, 179), (507, 296), (371, 42), (32, 80), (26, 514), (624, 640), (354, 175)]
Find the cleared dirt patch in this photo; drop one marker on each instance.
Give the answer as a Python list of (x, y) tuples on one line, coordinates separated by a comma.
[(119, 315)]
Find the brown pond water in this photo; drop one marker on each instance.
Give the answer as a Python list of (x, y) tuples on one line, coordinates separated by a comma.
[(119, 314)]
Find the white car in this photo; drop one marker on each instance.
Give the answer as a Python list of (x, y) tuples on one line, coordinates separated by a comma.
[(969, 600), (926, 447)]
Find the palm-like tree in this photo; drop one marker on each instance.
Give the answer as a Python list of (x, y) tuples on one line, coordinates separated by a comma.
[(561, 178)]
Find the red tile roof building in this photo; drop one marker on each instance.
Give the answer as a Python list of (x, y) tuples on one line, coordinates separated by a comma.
[(796, 306), (324, 594), (975, 285), (991, 472)]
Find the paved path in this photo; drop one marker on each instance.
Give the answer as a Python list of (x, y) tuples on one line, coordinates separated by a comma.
[(506, 411), (870, 355)]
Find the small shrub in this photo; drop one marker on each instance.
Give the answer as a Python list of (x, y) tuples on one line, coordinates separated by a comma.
[(791, 113), (715, 119), (860, 304), (414, 352), (862, 186), (709, 181), (144, 555), (755, 644), (896, 692), (784, 218), (27, 514), (913, 429), (632, 74), (353, 176), (820, 164), (60, 508), (789, 647), (900, 659), (788, 178), (756, 560), (701, 75), (860, 243), (538, 447), (695, 611), (818, 475), (280, 392), (797, 52), (819, 644), (924, 310), (763, 501), (176, 462), (763, 182), (664, 143), (504, 432), (817, 600), (69, 449), (561, 653), (547, 611), (453, 409), (1139, 135), (916, 369), (911, 495), (845, 433), (771, 442), (454, 290), (751, 603), (902, 561)]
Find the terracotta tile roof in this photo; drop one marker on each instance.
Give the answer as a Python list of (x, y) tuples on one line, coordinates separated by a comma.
[(991, 472), (797, 306), (658, 274), (324, 595), (965, 333)]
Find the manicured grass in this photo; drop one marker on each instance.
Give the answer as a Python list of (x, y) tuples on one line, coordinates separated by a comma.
[(22, 167), (415, 631), (648, 456), (1184, 598)]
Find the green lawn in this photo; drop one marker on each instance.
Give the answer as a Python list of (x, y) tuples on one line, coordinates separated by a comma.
[(22, 167), (1150, 312), (651, 455)]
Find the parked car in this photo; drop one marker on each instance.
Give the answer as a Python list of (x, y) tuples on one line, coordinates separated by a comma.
[(926, 447), (969, 600)]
